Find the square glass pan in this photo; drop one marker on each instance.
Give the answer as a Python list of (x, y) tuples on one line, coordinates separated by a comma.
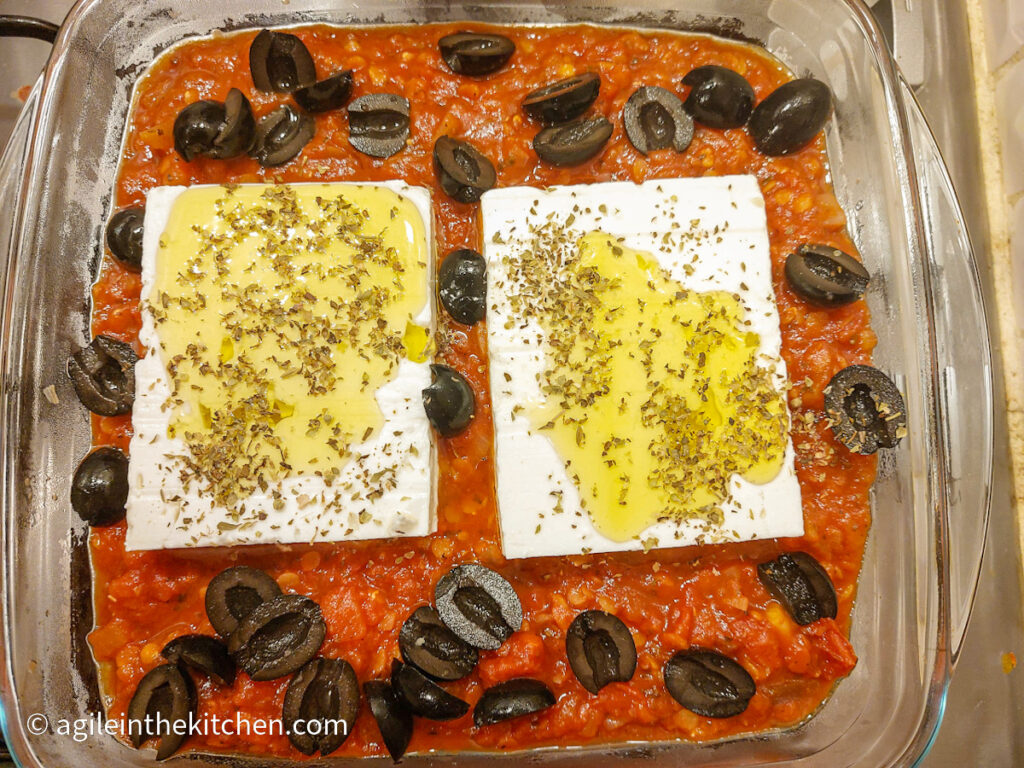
[(930, 500)]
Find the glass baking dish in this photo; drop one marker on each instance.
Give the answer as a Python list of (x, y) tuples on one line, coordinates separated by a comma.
[(930, 501)]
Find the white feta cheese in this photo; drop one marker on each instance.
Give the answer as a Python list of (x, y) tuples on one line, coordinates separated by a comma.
[(162, 514), (732, 254)]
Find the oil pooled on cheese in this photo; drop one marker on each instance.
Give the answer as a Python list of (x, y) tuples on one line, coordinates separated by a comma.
[(281, 311), (655, 396)]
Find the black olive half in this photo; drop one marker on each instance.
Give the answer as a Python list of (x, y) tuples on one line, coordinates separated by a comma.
[(448, 401), (426, 643), (196, 128), (104, 376), (124, 236), (708, 683), (280, 62), (99, 488), (278, 637), (513, 698), (478, 605), (281, 135), (213, 129), (655, 119), (378, 124), (162, 707), (201, 652), (791, 116), (865, 409), (719, 97), (462, 285), (563, 100), (392, 715), (572, 143), (238, 132), (326, 95), (236, 592), (324, 697), (826, 276), (801, 585), (423, 696), (470, 53), (462, 171), (600, 649)]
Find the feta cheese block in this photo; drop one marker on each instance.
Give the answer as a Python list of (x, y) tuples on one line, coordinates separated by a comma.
[(637, 384), (288, 331)]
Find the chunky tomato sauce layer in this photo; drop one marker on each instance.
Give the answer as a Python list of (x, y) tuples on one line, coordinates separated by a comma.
[(671, 599)]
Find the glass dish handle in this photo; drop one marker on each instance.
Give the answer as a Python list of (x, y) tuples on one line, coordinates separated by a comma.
[(12, 160), (12, 172), (965, 365)]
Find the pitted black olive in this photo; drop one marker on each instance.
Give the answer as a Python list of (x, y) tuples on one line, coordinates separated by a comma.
[(324, 697), (394, 719), (201, 652), (563, 100), (801, 585), (280, 62), (124, 236), (281, 135), (236, 592), (708, 683), (572, 143), (326, 95), (426, 643), (161, 708), (196, 128), (719, 97), (600, 649), (865, 409), (462, 285), (104, 376), (448, 401), (238, 132), (655, 119), (378, 124), (213, 129), (471, 53), (478, 605), (513, 698), (791, 116), (99, 489), (423, 696), (278, 637), (826, 276), (462, 171)]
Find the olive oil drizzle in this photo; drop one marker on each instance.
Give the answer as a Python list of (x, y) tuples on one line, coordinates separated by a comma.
[(655, 396), (309, 329)]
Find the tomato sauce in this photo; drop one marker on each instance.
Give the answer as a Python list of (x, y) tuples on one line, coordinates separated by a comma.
[(670, 599)]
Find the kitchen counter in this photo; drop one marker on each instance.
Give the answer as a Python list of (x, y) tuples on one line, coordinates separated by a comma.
[(984, 720)]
